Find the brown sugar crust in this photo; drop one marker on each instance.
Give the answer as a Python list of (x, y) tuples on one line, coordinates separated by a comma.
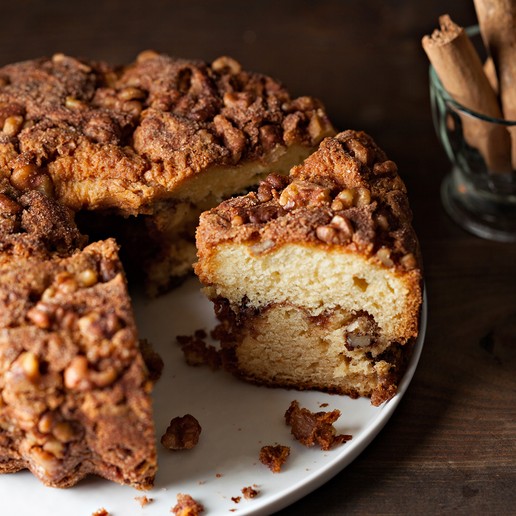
[(346, 195), (74, 390), (98, 136)]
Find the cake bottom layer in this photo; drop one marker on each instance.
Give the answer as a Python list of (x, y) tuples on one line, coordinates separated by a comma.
[(283, 345)]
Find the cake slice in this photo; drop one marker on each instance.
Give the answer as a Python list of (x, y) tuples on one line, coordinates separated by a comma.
[(316, 278), (74, 389), (141, 150)]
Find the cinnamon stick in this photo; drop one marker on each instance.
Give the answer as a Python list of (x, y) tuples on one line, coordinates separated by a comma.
[(497, 20), (460, 70)]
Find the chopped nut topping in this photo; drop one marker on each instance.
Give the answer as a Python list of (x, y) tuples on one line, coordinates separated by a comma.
[(30, 365), (39, 316), (299, 193), (226, 64), (73, 103), (13, 125), (87, 278), (409, 261), (384, 255)]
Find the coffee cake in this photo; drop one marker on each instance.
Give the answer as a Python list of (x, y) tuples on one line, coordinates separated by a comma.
[(316, 278), (74, 389), (140, 150)]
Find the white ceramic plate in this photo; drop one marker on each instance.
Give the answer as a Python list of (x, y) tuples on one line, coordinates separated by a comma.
[(237, 419)]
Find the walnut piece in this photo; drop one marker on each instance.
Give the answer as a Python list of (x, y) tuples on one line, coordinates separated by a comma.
[(182, 433)]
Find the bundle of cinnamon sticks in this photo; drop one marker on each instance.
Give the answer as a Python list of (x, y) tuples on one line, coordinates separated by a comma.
[(486, 88)]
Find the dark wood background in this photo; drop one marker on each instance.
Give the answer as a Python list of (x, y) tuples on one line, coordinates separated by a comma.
[(450, 446)]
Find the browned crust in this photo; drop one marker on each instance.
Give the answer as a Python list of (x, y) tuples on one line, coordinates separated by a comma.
[(374, 211), (131, 135)]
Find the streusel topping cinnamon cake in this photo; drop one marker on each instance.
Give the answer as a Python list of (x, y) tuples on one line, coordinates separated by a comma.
[(316, 278), (74, 388), (141, 150)]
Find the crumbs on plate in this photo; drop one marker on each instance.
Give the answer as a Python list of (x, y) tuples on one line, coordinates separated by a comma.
[(311, 428), (187, 506), (274, 456)]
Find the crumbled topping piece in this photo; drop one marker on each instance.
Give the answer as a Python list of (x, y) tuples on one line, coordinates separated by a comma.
[(274, 456), (100, 512), (311, 428), (182, 433), (143, 500), (249, 492), (197, 352), (187, 506), (152, 360)]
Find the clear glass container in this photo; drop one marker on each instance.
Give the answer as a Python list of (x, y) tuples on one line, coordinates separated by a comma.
[(480, 200)]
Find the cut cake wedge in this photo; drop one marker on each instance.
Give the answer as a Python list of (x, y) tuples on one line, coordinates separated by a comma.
[(316, 278)]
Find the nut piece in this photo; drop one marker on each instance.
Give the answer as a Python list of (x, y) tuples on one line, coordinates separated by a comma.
[(131, 93), (351, 197), (30, 365), (226, 64), (87, 278), (76, 374), (8, 206), (343, 225), (182, 433), (300, 193), (73, 103), (63, 432), (30, 177), (409, 261), (39, 316), (384, 255), (13, 125), (327, 234)]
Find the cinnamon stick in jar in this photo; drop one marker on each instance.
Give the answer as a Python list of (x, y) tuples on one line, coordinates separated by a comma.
[(460, 70), (497, 20)]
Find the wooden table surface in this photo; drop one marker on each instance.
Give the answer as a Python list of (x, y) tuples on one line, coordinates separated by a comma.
[(450, 446)]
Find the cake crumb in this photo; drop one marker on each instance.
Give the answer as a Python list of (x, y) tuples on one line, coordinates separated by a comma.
[(143, 500), (152, 360), (274, 456), (100, 512), (311, 428), (236, 499), (219, 475), (249, 492), (182, 433), (187, 506), (197, 352)]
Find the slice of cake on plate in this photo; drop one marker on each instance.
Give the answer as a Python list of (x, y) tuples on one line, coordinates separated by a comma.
[(74, 389), (316, 278)]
